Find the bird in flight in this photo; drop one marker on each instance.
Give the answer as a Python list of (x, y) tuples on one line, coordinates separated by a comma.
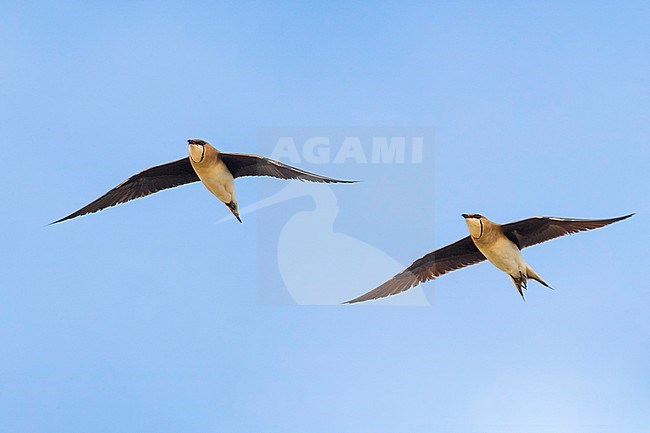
[(217, 170), (500, 244)]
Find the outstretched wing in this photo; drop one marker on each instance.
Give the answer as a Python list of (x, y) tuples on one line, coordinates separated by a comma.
[(454, 256), (536, 230), (241, 165), (146, 182)]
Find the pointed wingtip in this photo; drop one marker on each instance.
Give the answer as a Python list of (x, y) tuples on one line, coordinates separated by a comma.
[(353, 301), (68, 217), (607, 221), (621, 218), (332, 180)]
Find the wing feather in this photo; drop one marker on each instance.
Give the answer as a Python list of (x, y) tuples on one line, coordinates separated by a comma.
[(535, 230), (241, 165), (446, 259), (146, 182)]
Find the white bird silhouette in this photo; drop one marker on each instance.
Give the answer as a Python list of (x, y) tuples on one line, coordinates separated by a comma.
[(319, 266)]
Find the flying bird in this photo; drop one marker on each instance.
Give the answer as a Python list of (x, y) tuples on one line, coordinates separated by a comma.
[(217, 170), (501, 245)]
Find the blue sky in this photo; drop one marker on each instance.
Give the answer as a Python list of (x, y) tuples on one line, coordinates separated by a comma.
[(147, 317)]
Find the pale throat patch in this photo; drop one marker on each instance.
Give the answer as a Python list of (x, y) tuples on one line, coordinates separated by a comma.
[(197, 153), (475, 227)]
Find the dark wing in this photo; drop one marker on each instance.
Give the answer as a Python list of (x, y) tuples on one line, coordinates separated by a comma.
[(241, 165), (146, 182), (454, 256), (536, 230)]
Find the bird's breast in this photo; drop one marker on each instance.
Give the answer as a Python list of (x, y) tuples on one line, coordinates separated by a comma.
[(503, 254), (217, 179)]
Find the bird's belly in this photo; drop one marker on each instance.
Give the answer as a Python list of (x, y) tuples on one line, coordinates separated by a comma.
[(219, 181), (505, 255)]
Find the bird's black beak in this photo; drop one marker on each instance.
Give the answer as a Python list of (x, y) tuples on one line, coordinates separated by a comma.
[(465, 215)]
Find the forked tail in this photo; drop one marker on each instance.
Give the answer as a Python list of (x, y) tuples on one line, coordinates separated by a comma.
[(520, 283), (532, 274)]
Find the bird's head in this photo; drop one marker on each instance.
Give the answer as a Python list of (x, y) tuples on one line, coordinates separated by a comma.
[(197, 149), (475, 224)]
